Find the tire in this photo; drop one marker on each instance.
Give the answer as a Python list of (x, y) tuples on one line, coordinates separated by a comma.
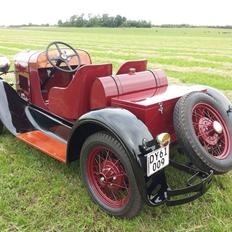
[(204, 131), (105, 155)]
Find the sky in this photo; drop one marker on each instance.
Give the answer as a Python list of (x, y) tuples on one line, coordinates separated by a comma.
[(196, 12)]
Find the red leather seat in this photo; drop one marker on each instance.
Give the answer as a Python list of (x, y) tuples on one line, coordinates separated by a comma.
[(74, 100)]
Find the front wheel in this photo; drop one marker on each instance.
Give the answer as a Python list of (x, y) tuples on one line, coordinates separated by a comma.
[(107, 173)]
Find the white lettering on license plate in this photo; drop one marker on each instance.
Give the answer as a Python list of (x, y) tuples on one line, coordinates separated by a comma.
[(157, 160)]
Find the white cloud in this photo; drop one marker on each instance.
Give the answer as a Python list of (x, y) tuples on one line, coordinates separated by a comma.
[(200, 12)]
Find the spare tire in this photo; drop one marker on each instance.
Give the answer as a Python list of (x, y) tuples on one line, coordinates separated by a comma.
[(204, 131)]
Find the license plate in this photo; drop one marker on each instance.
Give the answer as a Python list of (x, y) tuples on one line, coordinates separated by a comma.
[(157, 160)]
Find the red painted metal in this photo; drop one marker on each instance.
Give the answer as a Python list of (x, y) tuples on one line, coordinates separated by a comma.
[(60, 79), (131, 83), (215, 143), (36, 96), (74, 100), (155, 107), (103, 89), (32, 65), (161, 78), (138, 65), (108, 177), (144, 93), (119, 85)]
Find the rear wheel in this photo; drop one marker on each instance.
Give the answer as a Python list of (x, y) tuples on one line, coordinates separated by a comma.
[(108, 176), (204, 130)]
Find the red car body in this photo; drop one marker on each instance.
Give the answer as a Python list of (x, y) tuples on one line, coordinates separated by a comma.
[(60, 107), (143, 92)]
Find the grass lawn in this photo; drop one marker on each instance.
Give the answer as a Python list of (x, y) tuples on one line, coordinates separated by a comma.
[(38, 193)]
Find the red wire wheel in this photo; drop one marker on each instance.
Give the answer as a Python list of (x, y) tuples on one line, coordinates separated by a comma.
[(211, 130), (108, 176), (204, 130)]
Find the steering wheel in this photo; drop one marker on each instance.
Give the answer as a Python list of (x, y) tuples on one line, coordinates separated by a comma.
[(62, 57)]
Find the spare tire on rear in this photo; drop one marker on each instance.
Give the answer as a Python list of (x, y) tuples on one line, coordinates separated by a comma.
[(204, 131)]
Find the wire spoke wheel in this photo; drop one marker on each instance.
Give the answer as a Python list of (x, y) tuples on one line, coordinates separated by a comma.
[(211, 130), (108, 177), (203, 129)]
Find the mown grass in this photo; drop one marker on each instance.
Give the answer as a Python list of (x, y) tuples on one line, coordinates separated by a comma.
[(38, 193), (213, 80)]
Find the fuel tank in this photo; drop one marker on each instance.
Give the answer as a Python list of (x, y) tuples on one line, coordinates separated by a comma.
[(145, 94)]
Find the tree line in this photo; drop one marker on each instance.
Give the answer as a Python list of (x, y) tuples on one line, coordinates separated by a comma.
[(112, 22), (191, 26), (103, 21)]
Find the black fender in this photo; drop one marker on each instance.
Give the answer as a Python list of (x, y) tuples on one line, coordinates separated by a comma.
[(122, 124), (12, 110)]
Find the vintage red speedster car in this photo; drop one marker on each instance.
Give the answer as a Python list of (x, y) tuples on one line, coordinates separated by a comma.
[(121, 126)]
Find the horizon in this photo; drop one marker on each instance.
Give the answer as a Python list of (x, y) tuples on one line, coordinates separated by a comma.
[(195, 13), (168, 25)]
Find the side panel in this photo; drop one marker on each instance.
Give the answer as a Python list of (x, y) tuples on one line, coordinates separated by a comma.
[(35, 89), (32, 125)]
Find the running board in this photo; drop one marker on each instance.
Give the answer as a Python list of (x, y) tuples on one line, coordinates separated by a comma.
[(45, 143)]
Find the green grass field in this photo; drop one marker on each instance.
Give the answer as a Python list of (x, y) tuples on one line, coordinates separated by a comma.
[(38, 193)]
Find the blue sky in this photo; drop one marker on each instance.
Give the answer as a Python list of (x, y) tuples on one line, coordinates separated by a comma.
[(198, 12)]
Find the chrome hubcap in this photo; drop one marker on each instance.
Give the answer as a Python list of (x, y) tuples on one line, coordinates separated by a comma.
[(102, 179), (217, 127)]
